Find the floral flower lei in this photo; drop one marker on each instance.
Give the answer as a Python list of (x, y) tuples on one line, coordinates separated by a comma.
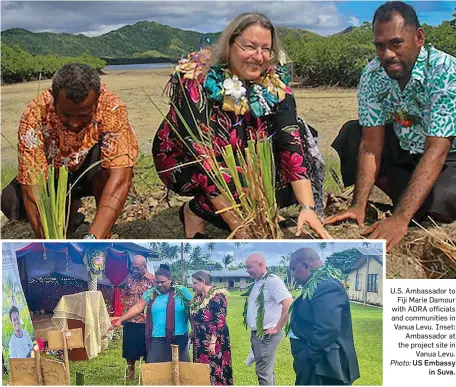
[(259, 96), (94, 259), (200, 302)]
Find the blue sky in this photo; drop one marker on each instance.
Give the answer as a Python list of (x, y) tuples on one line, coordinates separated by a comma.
[(271, 250), (94, 17), (429, 12)]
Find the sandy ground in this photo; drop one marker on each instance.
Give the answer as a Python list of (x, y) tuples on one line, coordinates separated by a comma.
[(151, 214), (324, 109)]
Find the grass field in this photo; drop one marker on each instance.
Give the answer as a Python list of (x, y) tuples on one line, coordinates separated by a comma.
[(109, 367)]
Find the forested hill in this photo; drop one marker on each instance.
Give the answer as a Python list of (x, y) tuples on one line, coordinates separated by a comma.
[(141, 40), (317, 60)]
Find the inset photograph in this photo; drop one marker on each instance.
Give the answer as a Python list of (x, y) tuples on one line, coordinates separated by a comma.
[(192, 313)]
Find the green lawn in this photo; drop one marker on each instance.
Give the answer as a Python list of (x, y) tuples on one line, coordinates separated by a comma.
[(109, 367)]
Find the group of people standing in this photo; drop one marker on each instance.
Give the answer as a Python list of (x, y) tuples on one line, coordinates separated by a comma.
[(237, 91), (319, 327), (171, 311)]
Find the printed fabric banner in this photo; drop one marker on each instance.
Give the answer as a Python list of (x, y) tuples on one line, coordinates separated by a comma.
[(17, 328)]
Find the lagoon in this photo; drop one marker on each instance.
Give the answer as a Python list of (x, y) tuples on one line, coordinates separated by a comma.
[(137, 66)]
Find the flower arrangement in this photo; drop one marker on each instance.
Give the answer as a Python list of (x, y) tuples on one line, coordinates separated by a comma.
[(234, 88), (39, 345)]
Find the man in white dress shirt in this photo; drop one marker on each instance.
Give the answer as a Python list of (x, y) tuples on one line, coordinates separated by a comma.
[(277, 300)]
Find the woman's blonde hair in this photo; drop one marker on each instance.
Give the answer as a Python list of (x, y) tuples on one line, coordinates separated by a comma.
[(221, 53), (203, 276)]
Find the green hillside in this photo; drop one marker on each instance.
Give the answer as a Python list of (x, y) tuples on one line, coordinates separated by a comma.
[(318, 61), (141, 40)]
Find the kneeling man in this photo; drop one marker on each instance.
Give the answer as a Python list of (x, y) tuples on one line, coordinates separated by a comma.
[(405, 137), (80, 124)]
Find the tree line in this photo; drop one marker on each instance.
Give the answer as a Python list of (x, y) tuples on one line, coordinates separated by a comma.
[(18, 65), (337, 60), (183, 258)]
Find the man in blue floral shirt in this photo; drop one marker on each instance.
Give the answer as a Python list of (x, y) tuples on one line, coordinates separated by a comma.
[(405, 136)]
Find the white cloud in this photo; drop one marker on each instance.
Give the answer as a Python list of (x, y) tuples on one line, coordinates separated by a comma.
[(354, 21), (96, 17), (103, 29)]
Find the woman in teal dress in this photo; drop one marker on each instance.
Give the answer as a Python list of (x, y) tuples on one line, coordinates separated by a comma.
[(167, 317)]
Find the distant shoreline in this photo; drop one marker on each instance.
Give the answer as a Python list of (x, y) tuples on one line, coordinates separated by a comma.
[(134, 61), (136, 66)]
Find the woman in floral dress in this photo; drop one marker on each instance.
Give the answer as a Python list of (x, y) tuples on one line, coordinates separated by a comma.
[(235, 93), (211, 337)]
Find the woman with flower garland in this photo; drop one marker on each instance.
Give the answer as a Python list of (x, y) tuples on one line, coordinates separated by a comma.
[(167, 317), (210, 334), (235, 93)]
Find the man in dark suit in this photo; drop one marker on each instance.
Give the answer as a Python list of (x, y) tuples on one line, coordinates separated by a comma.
[(321, 328)]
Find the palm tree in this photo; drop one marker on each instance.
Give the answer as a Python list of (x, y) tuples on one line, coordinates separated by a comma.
[(240, 247), (281, 271), (237, 246), (227, 259), (211, 248), (322, 246), (187, 247), (195, 255), (165, 251), (284, 263), (332, 244)]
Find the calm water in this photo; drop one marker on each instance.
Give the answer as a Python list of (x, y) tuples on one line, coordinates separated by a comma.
[(140, 66)]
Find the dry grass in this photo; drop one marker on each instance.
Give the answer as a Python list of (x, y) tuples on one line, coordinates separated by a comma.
[(426, 252)]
